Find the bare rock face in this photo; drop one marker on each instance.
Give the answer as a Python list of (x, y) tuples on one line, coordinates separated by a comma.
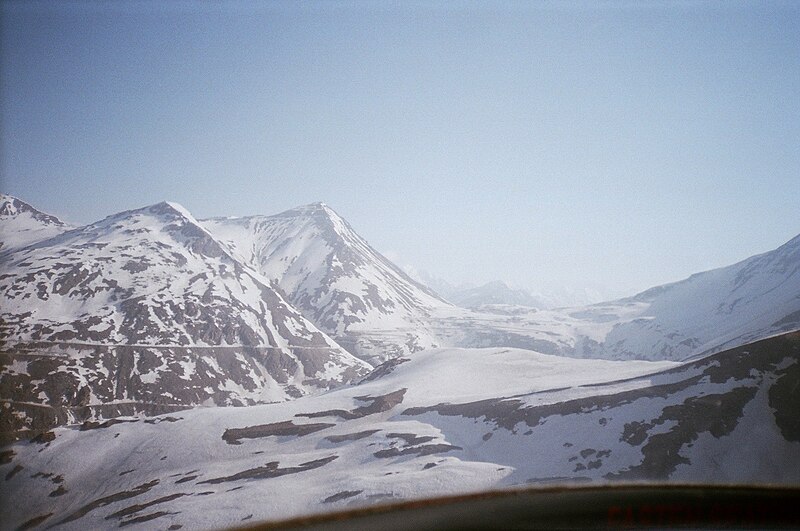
[(148, 309)]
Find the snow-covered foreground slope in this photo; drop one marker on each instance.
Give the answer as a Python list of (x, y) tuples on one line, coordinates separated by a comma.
[(331, 274), (145, 308), (707, 312), (440, 422)]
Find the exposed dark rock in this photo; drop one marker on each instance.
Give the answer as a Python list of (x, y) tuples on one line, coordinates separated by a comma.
[(145, 518), (60, 491), (14, 471), (93, 425), (784, 398), (427, 449), (272, 470), (378, 404), (384, 368), (44, 438), (33, 522), (410, 439), (158, 420), (342, 496), (127, 511), (716, 414), (350, 436), (279, 429), (105, 500)]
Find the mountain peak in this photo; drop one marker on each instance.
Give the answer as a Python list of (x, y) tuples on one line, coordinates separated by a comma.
[(171, 208), (11, 206), (317, 208), (22, 225)]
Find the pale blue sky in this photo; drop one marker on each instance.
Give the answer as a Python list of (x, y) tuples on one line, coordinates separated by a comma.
[(621, 145)]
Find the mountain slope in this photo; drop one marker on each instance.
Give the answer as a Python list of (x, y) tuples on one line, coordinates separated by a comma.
[(335, 278), (438, 423), (21, 224), (709, 311), (146, 307)]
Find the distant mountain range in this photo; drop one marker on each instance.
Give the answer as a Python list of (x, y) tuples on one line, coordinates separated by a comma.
[(499, 293)]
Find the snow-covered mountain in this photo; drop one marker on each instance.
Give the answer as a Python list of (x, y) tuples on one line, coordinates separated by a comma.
[(335, 278), (152, 312), (21, 224), (439, 422), (707, 312), (143, 310)]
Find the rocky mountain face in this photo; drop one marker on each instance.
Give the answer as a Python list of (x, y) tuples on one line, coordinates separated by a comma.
[(336, 279), (145, 310), (437, 423)]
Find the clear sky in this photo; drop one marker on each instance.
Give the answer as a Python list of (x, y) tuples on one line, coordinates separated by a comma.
[(619, 145)]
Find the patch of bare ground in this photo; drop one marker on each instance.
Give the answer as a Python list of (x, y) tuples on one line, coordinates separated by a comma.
[(342, 496), (427, 449), (281, 429), (271, 470), (350, 436), (106, 500), (378, 404)]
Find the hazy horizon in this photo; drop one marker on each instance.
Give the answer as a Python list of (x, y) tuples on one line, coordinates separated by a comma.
[(612, 147)]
